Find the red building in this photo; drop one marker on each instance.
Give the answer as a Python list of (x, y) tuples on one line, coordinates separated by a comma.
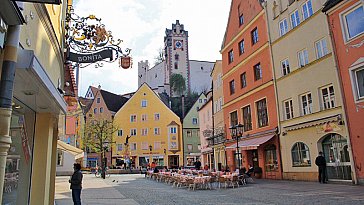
[(248, 87), (346, 20)]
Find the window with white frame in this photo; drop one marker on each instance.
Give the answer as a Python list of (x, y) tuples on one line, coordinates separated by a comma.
[(302, 58), (133, 132), (283, 27), (144, 131), (144, 145), (133, 146), (321, 48), (189, 133), (243, 80), (119, 147), (157, 131), (306, 101), (328, 97), (288, 109), (241, 47), (254, 35), (231, 56), (258, 74), (156, 116), (295, 19), (300, 155), (262, 113), (285, 67), (144, 117), (194, 121), (353, 22), (120, 133), (307, 10), (199, 100), (220, 103), (173, 130), (359, 83), (133, 118), (189, 147), (232, 87), (144, 103)]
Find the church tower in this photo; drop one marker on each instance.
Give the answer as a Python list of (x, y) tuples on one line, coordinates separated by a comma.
[(176, 54)]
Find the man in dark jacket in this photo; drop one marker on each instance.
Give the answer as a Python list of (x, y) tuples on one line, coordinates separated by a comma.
[(76, 184), (198, 165), (321, 163)]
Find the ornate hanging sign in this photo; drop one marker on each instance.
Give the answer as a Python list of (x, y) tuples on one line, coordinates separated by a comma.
[(89, 42)]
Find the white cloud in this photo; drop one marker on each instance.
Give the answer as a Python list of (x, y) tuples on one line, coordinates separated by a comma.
[(141, 25)]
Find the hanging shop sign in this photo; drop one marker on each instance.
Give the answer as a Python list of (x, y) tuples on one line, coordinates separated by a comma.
[(90, 57), (88, 42)]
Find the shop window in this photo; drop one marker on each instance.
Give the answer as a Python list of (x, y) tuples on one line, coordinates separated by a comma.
[(300, 155), (271, 162), (59, 157)]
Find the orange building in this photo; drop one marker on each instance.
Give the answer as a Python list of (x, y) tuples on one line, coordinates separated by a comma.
[(248, 87), (347, 29)]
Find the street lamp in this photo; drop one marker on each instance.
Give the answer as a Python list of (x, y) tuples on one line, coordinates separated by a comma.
[(236, 132)]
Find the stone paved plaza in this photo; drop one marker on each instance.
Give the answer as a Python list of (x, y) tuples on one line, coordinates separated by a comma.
[(135, 189)]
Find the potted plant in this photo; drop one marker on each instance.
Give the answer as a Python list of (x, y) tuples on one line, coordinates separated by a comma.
[(258, 172)]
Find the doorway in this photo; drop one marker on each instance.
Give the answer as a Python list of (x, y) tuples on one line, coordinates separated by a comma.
[(255, 158), (173, 161), (335, 148)]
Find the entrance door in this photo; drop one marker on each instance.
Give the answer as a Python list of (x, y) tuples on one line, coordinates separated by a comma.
[(173, 161), (255, 158), (336, 153)]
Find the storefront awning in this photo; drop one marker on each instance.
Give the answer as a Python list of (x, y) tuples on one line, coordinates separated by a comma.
[(253, 143), (78, 153)]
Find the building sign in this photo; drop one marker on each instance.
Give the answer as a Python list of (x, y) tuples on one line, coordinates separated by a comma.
[(90, 57), (125, 62)]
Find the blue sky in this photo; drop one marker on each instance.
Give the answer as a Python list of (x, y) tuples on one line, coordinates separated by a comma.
[(141, 25)]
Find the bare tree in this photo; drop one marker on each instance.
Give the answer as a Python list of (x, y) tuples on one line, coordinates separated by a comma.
[(160, 57), (98, 137)]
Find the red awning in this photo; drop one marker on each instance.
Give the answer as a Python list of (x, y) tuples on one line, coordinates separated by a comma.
[(253, 143)]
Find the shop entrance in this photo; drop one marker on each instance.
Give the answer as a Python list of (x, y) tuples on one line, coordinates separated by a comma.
[(255, 158), (173, 161), (335, 148)]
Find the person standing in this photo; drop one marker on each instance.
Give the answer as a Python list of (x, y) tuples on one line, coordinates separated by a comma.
[(76, 184), (321, 163), (198, 165)]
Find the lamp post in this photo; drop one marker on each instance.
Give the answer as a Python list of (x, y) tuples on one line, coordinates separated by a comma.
[(237, 132), (150, 152)]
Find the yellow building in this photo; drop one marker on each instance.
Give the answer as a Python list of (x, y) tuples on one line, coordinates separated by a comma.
[(29, 128), (309, 97), (147, 131)]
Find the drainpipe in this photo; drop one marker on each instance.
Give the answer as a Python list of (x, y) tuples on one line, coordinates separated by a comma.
[(340, 83), (6, 95), (264, 4)]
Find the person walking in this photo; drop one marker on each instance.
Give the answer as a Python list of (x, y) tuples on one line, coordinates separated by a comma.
[(76, 184), (321, 163)]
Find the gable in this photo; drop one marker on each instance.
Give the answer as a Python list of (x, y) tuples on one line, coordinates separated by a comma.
[(153, 101)]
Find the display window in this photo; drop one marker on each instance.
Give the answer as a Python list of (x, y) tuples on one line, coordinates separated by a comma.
[(19, 160)]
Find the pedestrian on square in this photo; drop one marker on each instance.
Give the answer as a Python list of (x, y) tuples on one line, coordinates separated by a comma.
[(76, 184), (321, 163), (198, 164)]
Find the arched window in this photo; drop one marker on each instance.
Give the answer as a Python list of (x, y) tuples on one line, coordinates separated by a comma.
[(271, 162), (300, 155)]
